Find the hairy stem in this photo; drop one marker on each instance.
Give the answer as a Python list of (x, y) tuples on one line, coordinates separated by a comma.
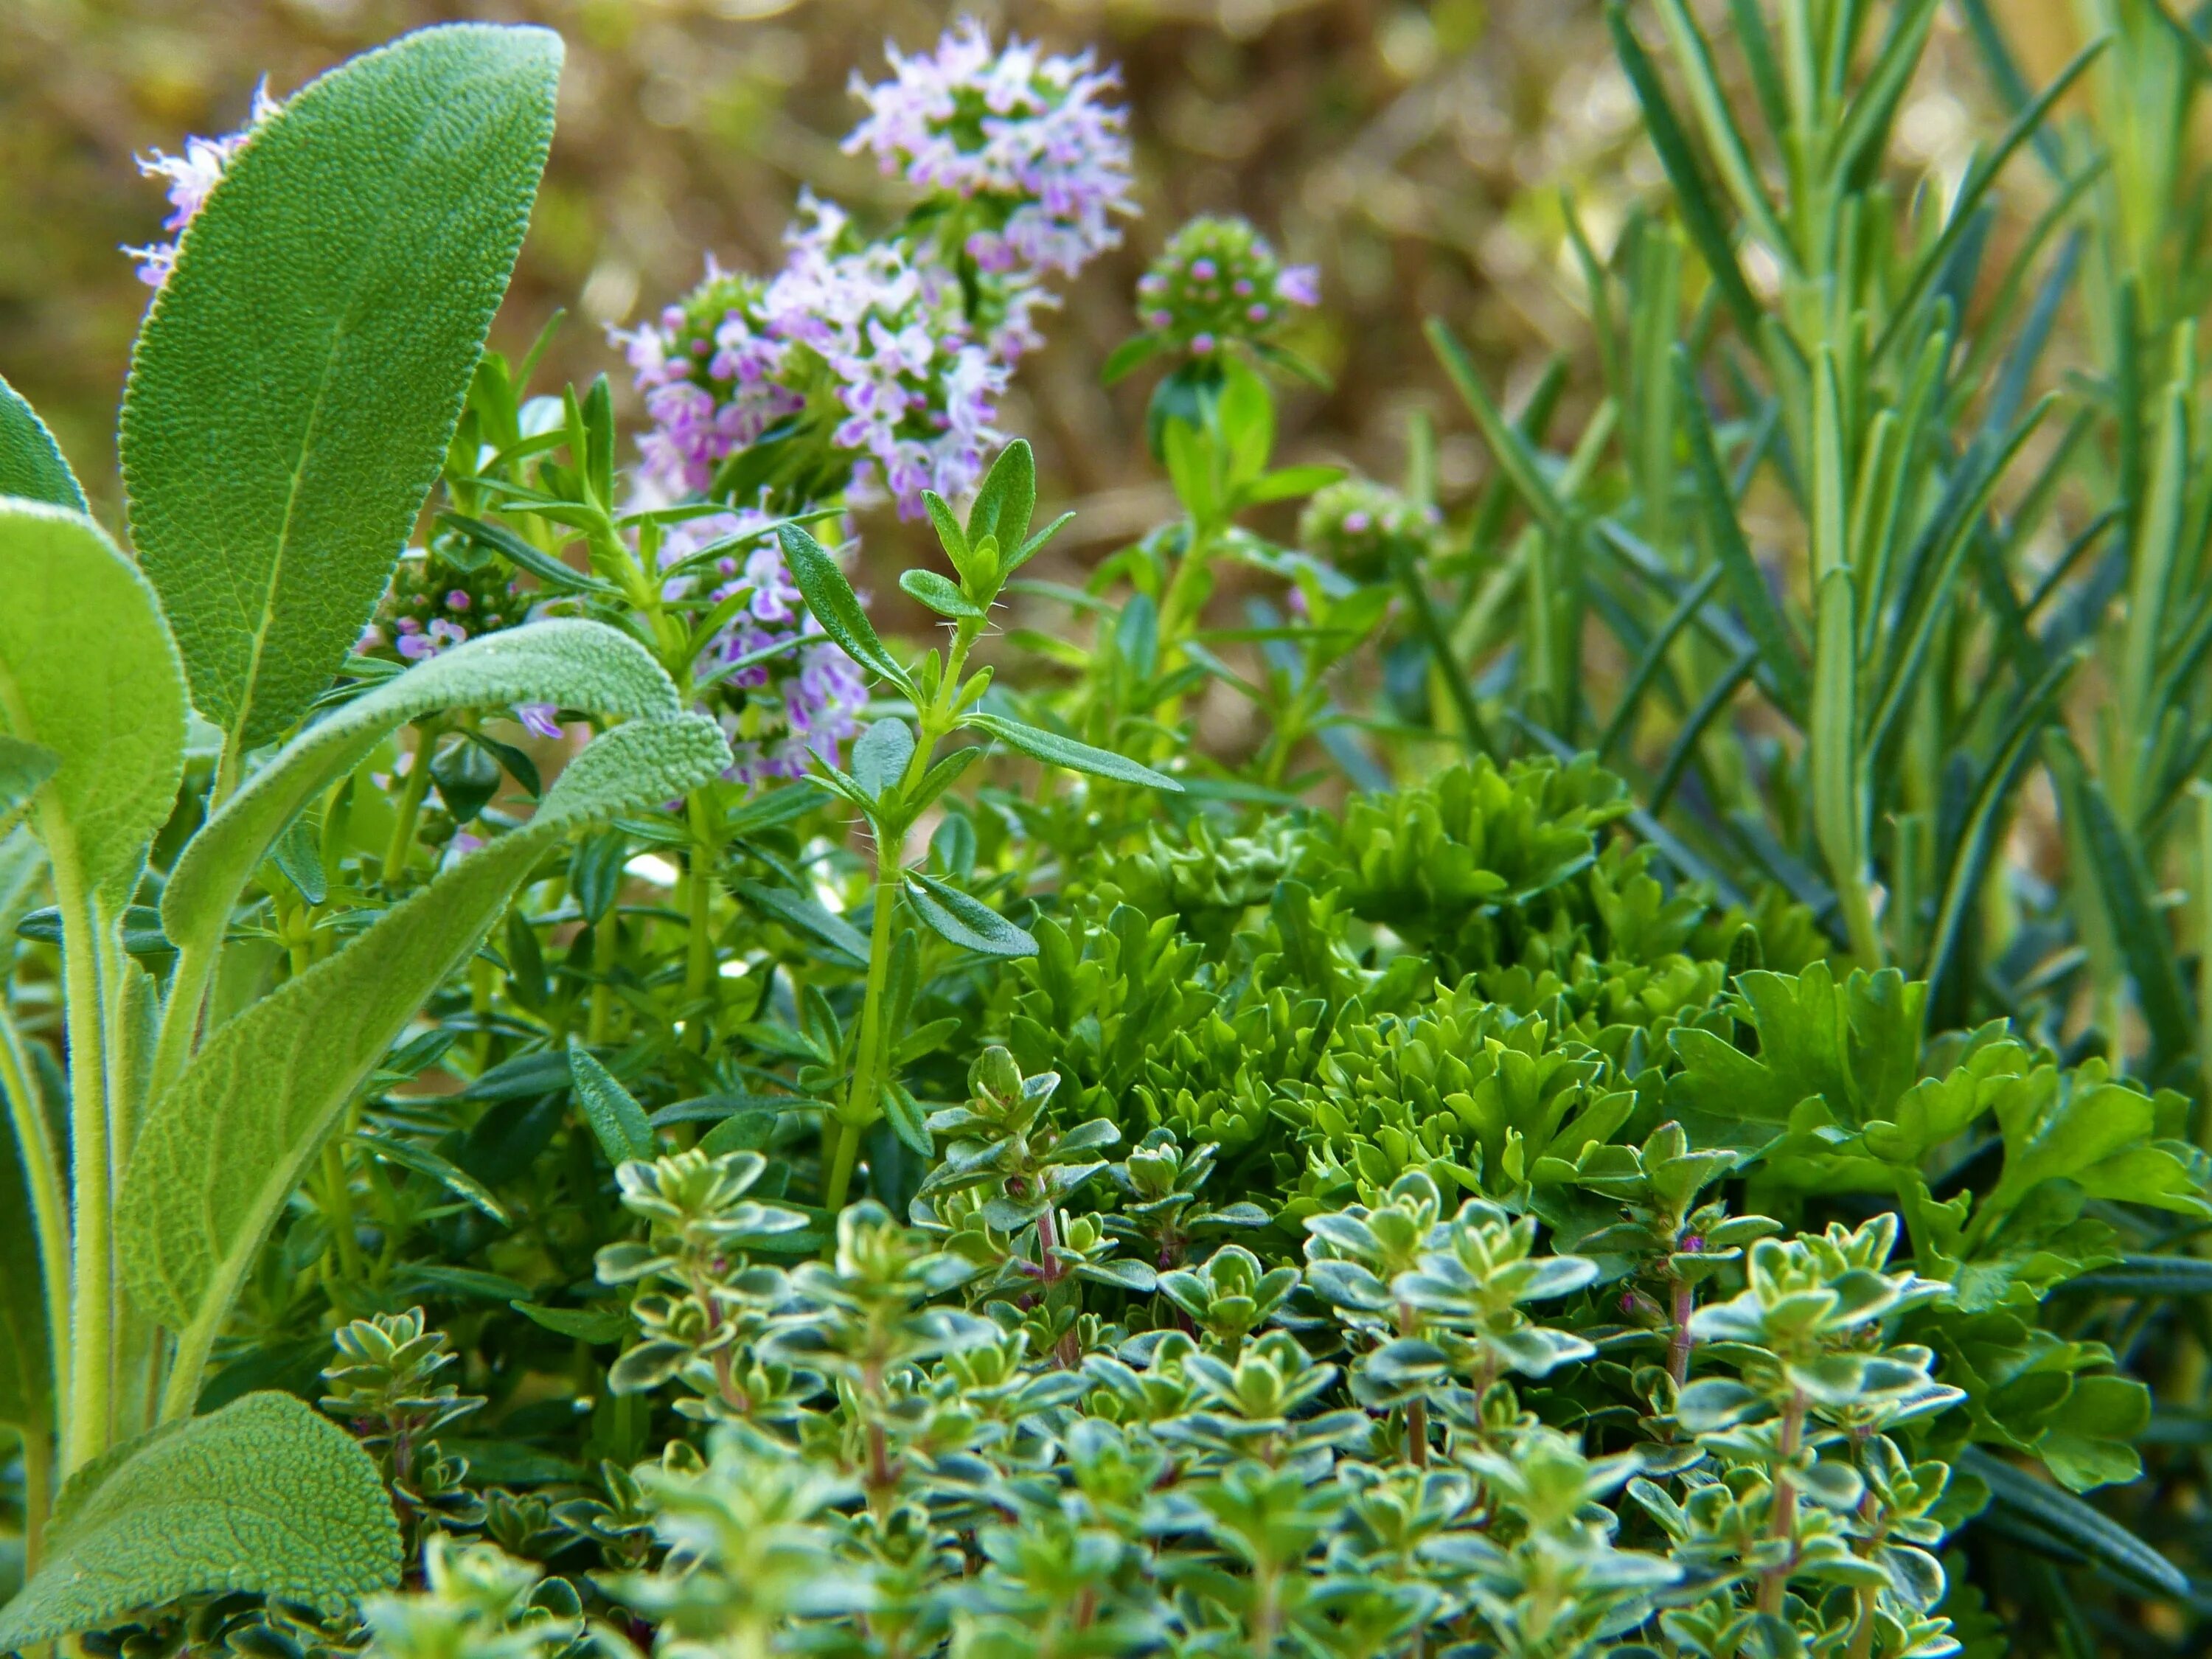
[(87, 1428), (26, 1111)]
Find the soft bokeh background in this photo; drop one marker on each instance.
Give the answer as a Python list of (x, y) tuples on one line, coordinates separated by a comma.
[(1417, 153)]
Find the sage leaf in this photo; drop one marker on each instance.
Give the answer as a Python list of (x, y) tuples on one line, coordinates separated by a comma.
[(611, 1111), (31, 463), (575, 663), (265, 1495), (293, 389), (23, 767), (222, 1148), (966, 921), (1056, 751), (87, 672)]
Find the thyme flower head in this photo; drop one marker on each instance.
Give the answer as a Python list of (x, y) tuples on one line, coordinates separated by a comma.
[(856, 328), (193, 178), (1219, 279), (918, 394), (433, 605), (1029, 141), (1356, 524)]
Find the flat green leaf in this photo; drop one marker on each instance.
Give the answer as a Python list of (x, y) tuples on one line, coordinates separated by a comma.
[(1005, 498), (796, 910), (1747, 584), (966, 921), (562, 578), (567, 661), (907, 1122), (31, 463), (940, 594), (298, 379), (265, 1495), (2142, 931), (599, 1326), (224, 1148), (835, 605), (880, 755), (611, 1111), (1056, 751), (408, 1155), (88, 673)]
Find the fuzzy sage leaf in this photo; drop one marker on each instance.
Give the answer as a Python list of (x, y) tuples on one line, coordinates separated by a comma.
[(294, 386), (89, 674), (224, 1148), (265, 1495)]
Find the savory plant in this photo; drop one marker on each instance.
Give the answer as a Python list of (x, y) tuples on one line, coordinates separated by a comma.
[(571, 1093)]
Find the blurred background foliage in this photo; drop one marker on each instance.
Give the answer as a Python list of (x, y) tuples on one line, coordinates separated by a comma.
[(1417, 153)]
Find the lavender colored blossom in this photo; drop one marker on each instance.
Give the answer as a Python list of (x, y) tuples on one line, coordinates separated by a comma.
[(797, 703), (885, 338), (193, 178), (1030, 140)]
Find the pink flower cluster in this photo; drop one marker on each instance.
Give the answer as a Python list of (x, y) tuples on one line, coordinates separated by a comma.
[(192, 177), (915, 394), (1026, 137), (776, 712), (898, 347)]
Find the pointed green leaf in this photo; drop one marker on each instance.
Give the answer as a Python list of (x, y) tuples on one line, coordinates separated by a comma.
[(88, 673), (296, 382), (1006, 497), (906, 1121), (223, 1147), (1762, 617), (598, 1326), (966, 921), (1056, 751), (835, 605), (265, 1495), (2144, 935), (31, 463), (2066, 1518), (941, 595), (556, 575), (569, 662), (611, 1111), (796, 910), (880, 755)]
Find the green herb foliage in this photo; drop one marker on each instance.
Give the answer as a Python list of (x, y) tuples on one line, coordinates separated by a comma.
[(1520, 1159)]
